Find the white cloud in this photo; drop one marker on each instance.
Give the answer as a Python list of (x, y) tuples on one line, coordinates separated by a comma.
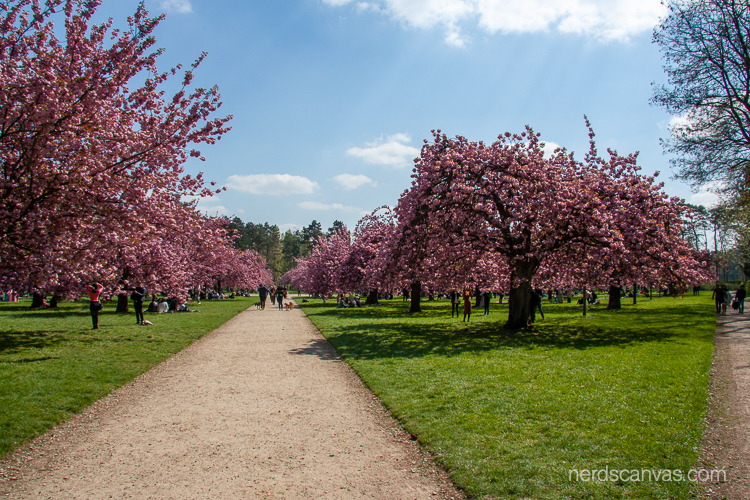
[(181, 6), (271, 184), (283, 228), (705, 198), (391, 151), (350, 182), (600, 19), (324, 207)]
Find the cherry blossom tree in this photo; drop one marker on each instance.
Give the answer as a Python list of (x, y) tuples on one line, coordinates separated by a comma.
[(512, 203), (92, 164)]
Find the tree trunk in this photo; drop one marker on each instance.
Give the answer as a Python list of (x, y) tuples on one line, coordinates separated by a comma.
[(519, 299), (635, 294), (614, 298), (122, 303), (372, 298), (416, 292), (37, 299), (585, 302)]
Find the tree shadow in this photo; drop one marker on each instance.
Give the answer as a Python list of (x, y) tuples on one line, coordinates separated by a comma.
[(399, 339), (14, 341), (317, 347)]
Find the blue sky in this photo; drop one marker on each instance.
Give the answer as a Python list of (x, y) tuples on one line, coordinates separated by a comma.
[(333, 98)]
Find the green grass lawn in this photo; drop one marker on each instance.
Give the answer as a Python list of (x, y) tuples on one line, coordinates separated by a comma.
[(52, 364), (511, 414)]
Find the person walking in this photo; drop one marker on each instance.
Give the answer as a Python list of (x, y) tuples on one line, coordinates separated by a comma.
[(94, 305), (273, 295), (739, 296), (262, 295), (280, 297), (467, 305), (718, 297), (138, 295), (727, 300)]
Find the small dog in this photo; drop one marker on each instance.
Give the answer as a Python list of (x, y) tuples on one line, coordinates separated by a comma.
[(257, 305), (147, 323), (289, 305)]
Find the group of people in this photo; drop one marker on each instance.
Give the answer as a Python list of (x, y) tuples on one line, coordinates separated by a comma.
[(137, 294), (724, 299), (456, 297), (354, 301), (277, 295)]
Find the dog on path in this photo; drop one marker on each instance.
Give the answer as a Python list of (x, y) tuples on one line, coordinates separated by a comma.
[(257, 305), (289, 305)]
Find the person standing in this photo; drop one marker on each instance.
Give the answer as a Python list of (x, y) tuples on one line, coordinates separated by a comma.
[(739, 296), (139, 293), (487, 297), (536, 303), (94, 305), (262, 295), (455, 297), (467, 305)]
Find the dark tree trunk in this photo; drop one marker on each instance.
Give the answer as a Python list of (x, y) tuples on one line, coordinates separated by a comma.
[(477, 295), (56, 298), (37, 299), (416, 292), (372, 298), (519, 298), (585, 302), (635, 294), (122, 303), (614, 298)]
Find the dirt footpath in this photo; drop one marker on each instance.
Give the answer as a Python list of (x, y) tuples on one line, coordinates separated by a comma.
[(260, 408), (726, 444)]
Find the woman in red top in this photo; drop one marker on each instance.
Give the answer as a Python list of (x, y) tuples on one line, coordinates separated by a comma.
[(95, 306)]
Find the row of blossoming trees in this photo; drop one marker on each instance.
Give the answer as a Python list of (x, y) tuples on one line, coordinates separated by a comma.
[(92, 185), (507, 217)]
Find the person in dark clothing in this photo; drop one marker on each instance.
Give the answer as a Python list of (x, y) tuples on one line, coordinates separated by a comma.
[(536, 302), (455, 297), (95, 306), (139, 293), (487, 296), (739, 296), (718, 297), (280, 297), (263, 294)]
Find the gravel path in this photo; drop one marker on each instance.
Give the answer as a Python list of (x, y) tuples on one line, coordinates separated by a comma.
[(260, 408), (727, 438)]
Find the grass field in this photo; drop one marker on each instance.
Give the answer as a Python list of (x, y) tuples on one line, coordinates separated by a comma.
[(512, 414), (52, 364)]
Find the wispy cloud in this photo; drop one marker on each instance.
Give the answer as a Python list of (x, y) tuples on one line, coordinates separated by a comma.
[(705, 198), (392, 151), (350, 181), (324, 207), (600, 19), (271, 184), (181, 6)]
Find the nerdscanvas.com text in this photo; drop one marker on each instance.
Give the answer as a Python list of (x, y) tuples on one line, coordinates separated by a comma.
[(638, 475)]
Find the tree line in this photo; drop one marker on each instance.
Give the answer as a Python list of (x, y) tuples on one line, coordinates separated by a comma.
[(280, 250)]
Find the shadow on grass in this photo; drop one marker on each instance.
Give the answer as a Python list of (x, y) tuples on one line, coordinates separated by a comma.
[(390, 331), (14, 341)]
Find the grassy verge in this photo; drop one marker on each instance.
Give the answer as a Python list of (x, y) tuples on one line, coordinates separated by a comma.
[(511, 414), (52, 364)]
